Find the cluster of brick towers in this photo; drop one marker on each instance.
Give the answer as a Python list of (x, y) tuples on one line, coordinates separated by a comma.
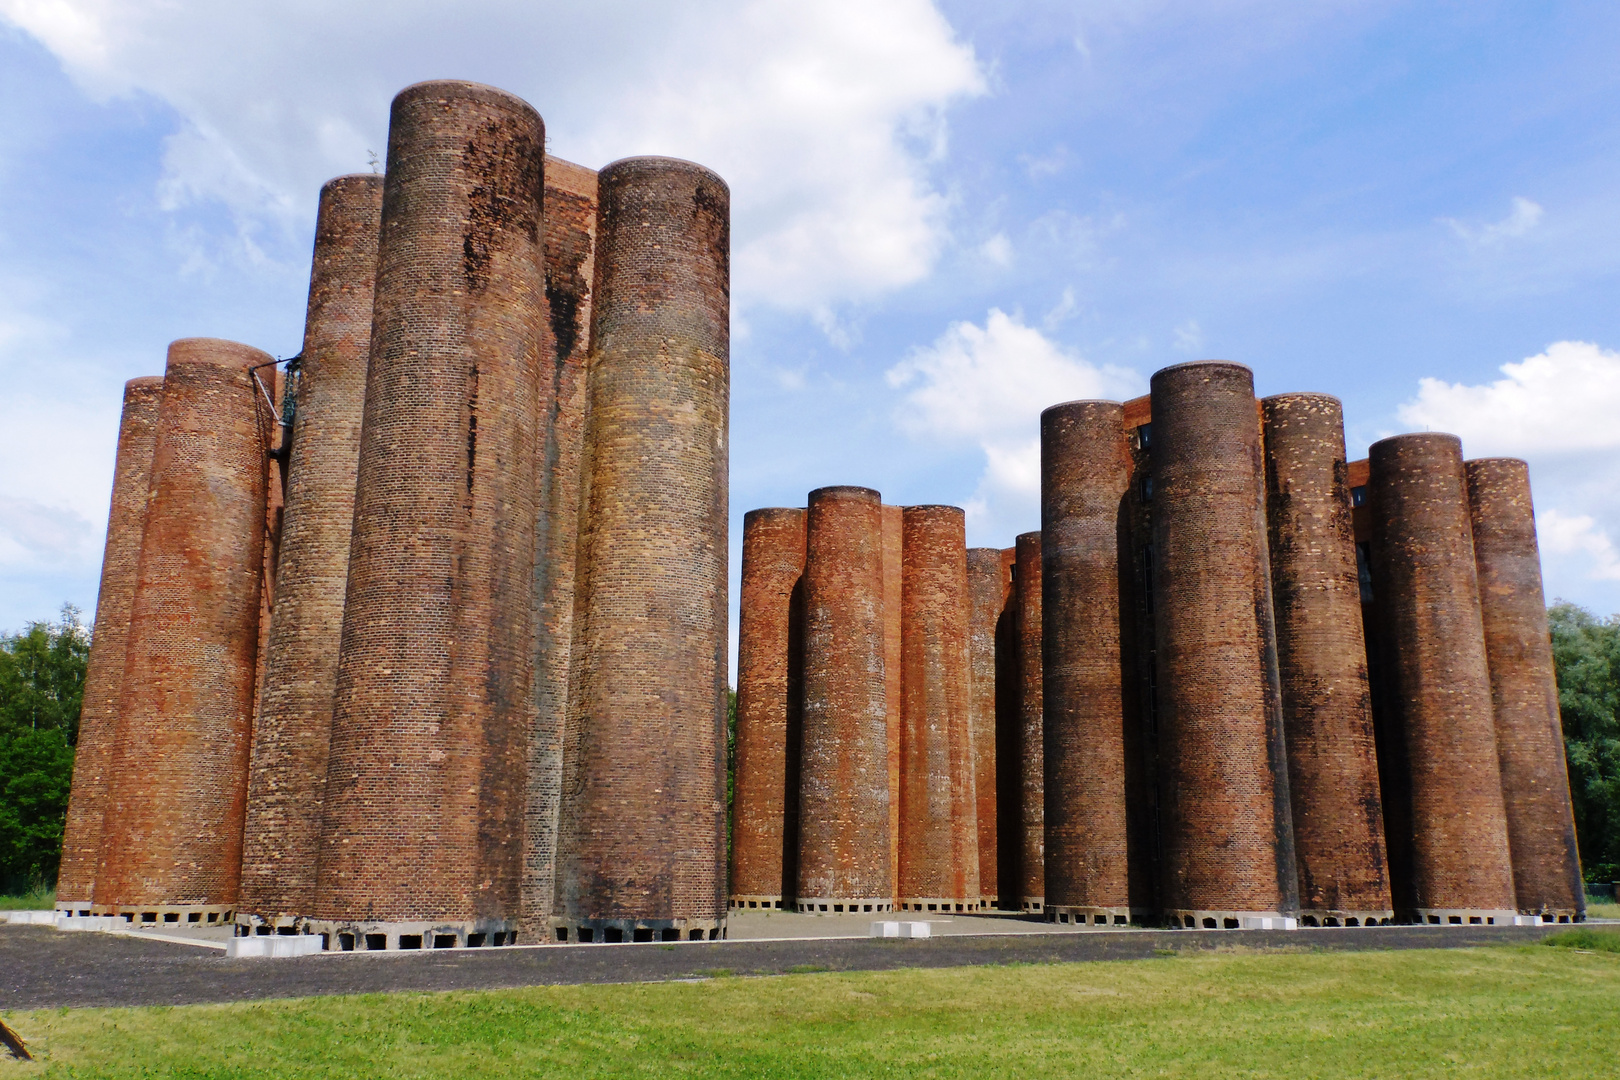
[(1235, 680), (435, 656)]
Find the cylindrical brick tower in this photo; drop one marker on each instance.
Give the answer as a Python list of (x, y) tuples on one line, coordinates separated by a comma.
[(424, 800), (642, 832), (569, 233), (1426, 585), (1524, 689), (770, 694), (104, 675), (1223, 773), (171, 842), (844, 757), (1322, 660), (939, 832), (1085, 474), (894, 671), (989, 587), (287, 779), (1031, 894)]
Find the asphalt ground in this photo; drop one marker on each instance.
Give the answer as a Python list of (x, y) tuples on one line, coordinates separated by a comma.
[(45, 968)]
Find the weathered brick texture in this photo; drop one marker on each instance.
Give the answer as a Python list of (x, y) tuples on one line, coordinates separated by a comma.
[(1224, 811), (843, 769), (894, 673), (939, 832), (770, 695), (1085, 475), (104, 675), (172, 832), (424, 802), (1031, 879), (1327, 718), (1524, 690), (989, 590), (287, 781), (1009, 743), (642, 832), (1439, 699)]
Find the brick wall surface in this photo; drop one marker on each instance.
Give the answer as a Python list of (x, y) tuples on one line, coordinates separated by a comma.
[(569, 234), (770, 694), (1085, 474), (939, 833), (1138, 653), (1524, 691), (1009, 743), (287, 779), (104, 676), (1327, 718), (843, 767), (1031, 878), (642, 831), (1224, 812), (273, 385), (1439, 697), (424, 795), (172, 832), (989, 589), (894, 670)]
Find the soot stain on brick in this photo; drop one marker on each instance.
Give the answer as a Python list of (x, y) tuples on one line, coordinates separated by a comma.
[(507, 196)]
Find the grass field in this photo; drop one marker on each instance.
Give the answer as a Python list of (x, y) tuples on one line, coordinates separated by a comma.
[(1496, 1012), (40, 899)]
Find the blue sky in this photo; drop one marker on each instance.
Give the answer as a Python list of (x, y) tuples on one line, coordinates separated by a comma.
[(947, 216)]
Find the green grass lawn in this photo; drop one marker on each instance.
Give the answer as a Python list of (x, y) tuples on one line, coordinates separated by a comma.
[(1494, 1012), (42, 898), (1599, 910)]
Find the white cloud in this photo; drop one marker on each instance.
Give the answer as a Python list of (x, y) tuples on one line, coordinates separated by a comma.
[(32, 532), (997, 250), (825, 118), (1189, 337), (1524, 216), (1562, 534)]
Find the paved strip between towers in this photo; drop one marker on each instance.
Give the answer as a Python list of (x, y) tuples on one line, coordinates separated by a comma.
[(45, 968)]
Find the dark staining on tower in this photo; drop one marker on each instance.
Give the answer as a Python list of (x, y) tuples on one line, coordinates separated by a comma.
[(1030, 758)]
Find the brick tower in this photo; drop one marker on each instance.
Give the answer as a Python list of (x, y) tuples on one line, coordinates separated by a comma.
[(893, 667), (989, 588), (1224, 811), (171, 844), (1424, 578), (939, 832), (1524, 689), (1009, 786), (770, 694), (642, 828), (1031, 894), (569, 233), (104, 676), (1085, 474), (1321, 656), (287, 780), (843, 766), (420, 845)]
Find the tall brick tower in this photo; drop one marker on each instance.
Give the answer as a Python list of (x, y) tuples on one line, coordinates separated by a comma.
[(1524, 689), (642, 831), (1424, 578), (894, 668), (1085, 474), (844, 761), (989, 589), (939, 832), (104, 676), (424, 802), (569, 232), (1321, 654), (770, 696), (171, 843), (287, 780), (1223, 774), (1031, 894)]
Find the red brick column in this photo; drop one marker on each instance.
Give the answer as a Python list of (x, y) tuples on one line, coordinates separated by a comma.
[(843, 769), (1524, 691), (424, 802), (894, 677), (1224, 814), (1085, 474), (1031, 759), (104, 676), (770, 696), (642, 828), (287, 781), (939, 832), (1426, 587), (171, 841), (989, 590), (1322, 658), (1009, 743)]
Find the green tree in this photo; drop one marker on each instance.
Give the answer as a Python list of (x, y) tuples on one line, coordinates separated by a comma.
[(1586, 650)]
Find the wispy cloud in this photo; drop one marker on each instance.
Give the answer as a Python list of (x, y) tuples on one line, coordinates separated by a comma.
[(1524, 217)]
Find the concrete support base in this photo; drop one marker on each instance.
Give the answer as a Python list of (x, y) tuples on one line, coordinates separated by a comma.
[(1555, 915), (831, 905), (1196, 919), (1033, 903), (343, 935), (942, 904), (1464, 917), (1334, 917), (761, 901), (153, 916), (1093, 916), (616, 931)]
